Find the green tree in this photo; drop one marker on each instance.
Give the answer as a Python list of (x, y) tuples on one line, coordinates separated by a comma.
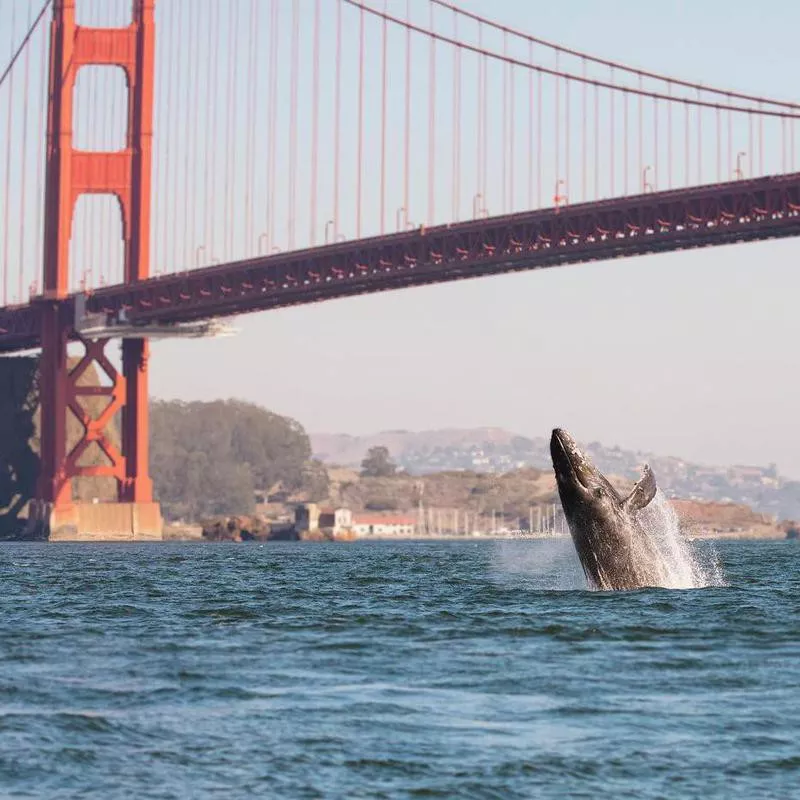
[(209, 458), (378, 463)]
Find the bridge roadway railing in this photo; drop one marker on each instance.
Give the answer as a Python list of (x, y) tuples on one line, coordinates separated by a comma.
[(655, 222)]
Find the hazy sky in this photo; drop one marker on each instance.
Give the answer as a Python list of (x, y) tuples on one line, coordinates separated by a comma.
[(692, 354)]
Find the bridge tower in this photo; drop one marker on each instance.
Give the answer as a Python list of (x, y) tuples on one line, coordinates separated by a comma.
[(125, 174)]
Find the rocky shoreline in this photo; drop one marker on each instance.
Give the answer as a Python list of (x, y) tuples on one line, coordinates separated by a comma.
[(245, 528)]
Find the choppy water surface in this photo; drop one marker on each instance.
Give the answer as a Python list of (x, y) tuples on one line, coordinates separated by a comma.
[(464, 669)]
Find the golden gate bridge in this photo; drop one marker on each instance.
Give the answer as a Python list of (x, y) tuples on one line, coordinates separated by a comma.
[(164, 164)]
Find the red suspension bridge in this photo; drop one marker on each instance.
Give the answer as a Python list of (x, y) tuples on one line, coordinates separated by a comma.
[(167, 163)]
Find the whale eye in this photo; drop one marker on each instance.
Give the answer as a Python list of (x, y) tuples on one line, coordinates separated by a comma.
[(598, 492)]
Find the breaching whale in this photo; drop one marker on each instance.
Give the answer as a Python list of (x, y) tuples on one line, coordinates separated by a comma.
[(612, 544)]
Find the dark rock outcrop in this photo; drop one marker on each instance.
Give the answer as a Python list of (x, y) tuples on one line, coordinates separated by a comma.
[(237, 529)]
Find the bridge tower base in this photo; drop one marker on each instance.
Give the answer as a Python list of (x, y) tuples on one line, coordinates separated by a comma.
[(94, 522), (126, 175)]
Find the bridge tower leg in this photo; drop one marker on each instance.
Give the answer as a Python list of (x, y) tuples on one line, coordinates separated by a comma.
[(126, 175)]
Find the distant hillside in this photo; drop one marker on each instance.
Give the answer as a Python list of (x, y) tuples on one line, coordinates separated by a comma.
[(346, 450), (496, 450), (456, 501)]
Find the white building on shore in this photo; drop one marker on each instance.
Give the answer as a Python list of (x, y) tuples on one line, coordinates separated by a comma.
[(384, 525), (310, 517)]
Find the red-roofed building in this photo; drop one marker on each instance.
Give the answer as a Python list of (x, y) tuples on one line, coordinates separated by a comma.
[(384, 525)]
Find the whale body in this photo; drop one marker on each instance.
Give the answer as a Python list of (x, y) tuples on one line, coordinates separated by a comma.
[(613, 546)]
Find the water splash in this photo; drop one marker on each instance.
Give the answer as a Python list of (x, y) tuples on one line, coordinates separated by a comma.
[(546, 564), (553, 563), (682, 565)]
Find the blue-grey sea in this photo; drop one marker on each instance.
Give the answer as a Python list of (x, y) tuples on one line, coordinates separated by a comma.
[(475, 669)]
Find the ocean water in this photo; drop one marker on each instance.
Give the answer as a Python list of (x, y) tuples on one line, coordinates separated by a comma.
[(477, 669)]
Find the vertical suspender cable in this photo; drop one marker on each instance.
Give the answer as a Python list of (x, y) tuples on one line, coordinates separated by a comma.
[(730, 158), (686, 144), (208, 137), (383, 128), (583, 135), (699, 141), (625, 148), (655, 143), (42, 150), (567, 140), (227, 237), (293, 100), (431, 124), (273, 119), (613, 143), (215, 116), (558, 129), (94, 135), (337, 119), (530, 125), (190, 47), (479, 126), (106, 255), (22, 259), (168, 202), (485, 140), (116, 243), (503, 193), (407, 133), (641, 135), (456, 120), (8, 161), (359, 165), (783, 144), (249, 132), (175, 132), (669, 137), (315, 125), (511, 145), (234, 143), (596, 142), (157, 204), (539, 141)]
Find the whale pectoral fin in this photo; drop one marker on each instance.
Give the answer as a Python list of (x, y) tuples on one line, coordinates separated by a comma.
[(643, 491)]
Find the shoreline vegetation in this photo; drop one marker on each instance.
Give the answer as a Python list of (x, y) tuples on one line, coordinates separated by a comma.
[(234, 471), (231, 470)]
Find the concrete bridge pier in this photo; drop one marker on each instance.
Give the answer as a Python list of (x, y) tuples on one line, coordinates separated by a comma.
[(94, 522)]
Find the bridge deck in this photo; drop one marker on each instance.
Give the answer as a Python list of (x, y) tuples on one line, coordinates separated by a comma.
[(705, 216)]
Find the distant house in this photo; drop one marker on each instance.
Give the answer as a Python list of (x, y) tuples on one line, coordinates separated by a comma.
[(337, 519), (383, 525), (311, 517)]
